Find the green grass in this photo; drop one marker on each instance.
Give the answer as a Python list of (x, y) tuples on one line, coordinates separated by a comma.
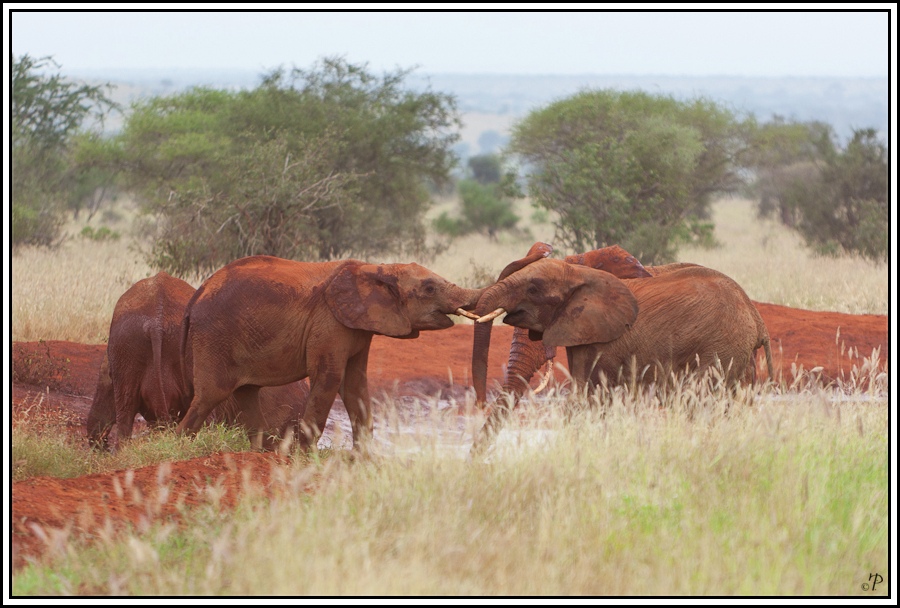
[(38, 450)]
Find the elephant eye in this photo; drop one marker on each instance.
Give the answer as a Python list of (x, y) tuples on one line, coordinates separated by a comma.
[(532, 290), (430, 290)]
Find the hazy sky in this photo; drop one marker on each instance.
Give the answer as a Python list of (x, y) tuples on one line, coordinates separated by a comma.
[(661, 43)]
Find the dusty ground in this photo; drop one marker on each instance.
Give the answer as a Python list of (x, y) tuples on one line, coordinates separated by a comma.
[(437, 363)]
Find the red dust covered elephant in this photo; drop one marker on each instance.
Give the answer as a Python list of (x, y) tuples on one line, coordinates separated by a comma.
[(265, 321), (681, 316), (141, 372)]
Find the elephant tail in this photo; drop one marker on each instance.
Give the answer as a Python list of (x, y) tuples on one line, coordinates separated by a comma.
[(764, 341), (768, 350), (187, 375), (154, 331)]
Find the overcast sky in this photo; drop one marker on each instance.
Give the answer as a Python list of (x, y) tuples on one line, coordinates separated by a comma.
[(659, 43)]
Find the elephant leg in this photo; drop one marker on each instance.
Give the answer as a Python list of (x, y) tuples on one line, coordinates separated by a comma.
[(500, 412), (128, 403), (247, 413), (355, 393), (205, 400), (102, 415), (324, 387), (580, 366)]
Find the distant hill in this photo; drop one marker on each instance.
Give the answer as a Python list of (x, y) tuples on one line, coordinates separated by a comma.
[(491, 103)]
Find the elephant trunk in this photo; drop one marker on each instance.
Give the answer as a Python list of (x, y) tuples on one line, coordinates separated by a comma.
[(468, 299), (481, 344), (525, 358)]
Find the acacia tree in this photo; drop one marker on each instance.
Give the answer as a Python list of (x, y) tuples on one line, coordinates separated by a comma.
[(782, 155), (835, 197), (845, 207), (48, 112), (312, 164), (486, 200), (628, 168)]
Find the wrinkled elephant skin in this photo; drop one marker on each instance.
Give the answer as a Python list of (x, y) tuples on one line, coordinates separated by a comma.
[(264, 321), (684, 317), (527, 356), (141, 372)]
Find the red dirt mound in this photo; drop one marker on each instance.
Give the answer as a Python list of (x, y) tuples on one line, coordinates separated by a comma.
[(54, 383)]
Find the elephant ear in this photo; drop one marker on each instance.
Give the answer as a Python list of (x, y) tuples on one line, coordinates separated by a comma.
[(365, 296), (538, 251), (600, 309)]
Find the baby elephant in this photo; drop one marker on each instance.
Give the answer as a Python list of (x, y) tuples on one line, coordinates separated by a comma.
[(141, 373)]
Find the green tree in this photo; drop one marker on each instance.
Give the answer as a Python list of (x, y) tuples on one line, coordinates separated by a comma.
[(783, 155), (486, 168), (845, 206), (486, 200), (312, 164), (628, 168), (48, 113)]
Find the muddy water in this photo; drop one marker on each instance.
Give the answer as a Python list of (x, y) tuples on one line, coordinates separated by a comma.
[(412, 424)]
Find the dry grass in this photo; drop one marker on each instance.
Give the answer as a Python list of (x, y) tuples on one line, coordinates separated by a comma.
[(773, 265), (69, 294), (706, 497)]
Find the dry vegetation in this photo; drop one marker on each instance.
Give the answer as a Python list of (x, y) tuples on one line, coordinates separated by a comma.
[(706, 496), (69, 294), (786, 498)]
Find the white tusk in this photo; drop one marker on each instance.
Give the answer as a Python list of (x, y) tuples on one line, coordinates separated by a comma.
[(546, 379), (466, 314), (490, 316)]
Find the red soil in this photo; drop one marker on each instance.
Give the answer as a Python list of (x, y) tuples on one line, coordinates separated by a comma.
[(436, 363)]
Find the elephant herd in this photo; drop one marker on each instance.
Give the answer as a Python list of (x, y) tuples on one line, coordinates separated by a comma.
[(268, 343)]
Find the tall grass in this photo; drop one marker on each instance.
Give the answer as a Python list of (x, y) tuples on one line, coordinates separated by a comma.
[(772, 499), (773, 265), (779, 493), (69, 294)]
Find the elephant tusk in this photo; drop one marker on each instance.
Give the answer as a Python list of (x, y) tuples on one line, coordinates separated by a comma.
[(466, 314), (491, 316), (546, 379)]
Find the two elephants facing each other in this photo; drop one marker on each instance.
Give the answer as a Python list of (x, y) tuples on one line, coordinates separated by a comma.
[(141, 373), (265, 321), (645, 322)]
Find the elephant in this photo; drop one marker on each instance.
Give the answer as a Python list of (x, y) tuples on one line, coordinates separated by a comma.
[(141, 372), (683, 317), (264, 321), (527, 356)]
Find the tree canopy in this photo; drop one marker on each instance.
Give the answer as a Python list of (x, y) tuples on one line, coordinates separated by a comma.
[(628, 168), (834, 196), (486, 199), (844, 206), (48, 114), (312, 164)]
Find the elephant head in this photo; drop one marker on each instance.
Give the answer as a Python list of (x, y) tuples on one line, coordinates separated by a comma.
[(397, 300), (612, 259), (527, 356), (562, 304)]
